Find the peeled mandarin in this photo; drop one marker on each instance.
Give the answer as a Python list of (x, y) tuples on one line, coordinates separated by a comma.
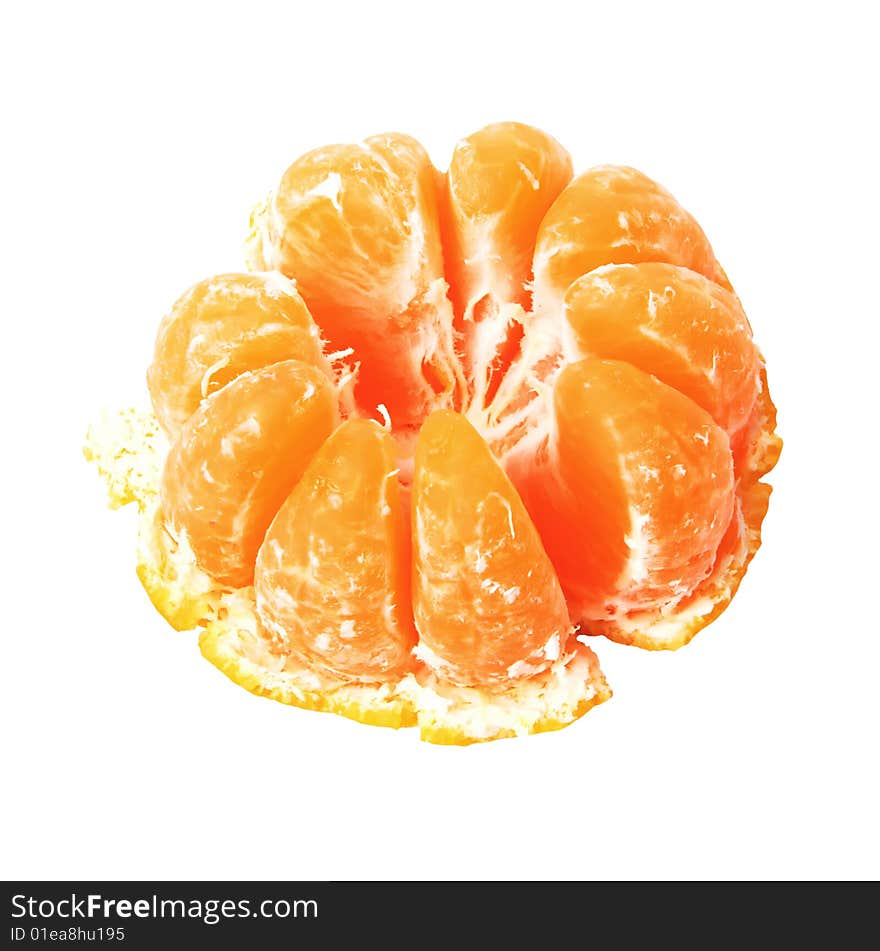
[(332, 576), (576, 420), (222, 327), (237, 458), (487, 603)]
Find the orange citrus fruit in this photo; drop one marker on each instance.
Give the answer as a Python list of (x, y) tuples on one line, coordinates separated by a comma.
[(575, 423)]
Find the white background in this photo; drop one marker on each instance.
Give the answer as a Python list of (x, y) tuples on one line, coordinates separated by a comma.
[(136, 139)]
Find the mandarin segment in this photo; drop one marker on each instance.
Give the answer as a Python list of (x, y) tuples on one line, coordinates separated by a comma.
[(499, 185), (357, 226), (220, 328), (634, 492), (487, 603), (237, 458), (615, 215), (332, 576), (671, 322)]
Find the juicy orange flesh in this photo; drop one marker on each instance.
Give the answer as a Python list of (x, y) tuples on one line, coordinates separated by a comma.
[(332, 577), (357, 226), (674, 323), (485, 595), (636, 492), (236, 459), (617, 406), (500, 183), (615, 215), (220, 328)]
